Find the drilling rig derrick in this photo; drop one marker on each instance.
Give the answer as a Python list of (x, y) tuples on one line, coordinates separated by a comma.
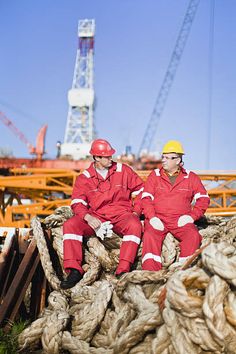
[(80, 121)]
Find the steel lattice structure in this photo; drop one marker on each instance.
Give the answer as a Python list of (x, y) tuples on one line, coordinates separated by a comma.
[(80, 122), (47, 191), (169, 76)]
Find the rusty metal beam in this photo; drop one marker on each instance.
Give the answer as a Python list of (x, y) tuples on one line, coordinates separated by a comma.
[(16, 292)]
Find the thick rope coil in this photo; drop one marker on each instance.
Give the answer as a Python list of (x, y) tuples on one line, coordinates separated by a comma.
[(199, 333), (76, 346), (93, 269), (115, 255), (88, 317), (59, 216), (145, 322), (114, 323), (149, 289), (230, 308), (141, 277), (57, 301), (136, 331), (155, 294), (184, 291), (44, 254), (216, 220), (180, 337), (84, 293), (111, 316), (113, 242), (57, 244), (169, 251), (31, 336), (230, 227), (221, 259), (231, 231), (213, 307), (53, 330), (212, 232), (102, 337), (143, 347), (83, 298), (120, 323), (99, 251), (134, 295), (161, 342)]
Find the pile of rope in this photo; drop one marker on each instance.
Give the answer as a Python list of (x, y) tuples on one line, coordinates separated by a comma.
[(175, 310)]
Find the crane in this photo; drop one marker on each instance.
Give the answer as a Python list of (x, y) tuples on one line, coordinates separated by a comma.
[(39, 150), (169, 76)]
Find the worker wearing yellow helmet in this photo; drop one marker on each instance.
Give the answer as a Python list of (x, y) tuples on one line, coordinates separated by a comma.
[(173, 198)]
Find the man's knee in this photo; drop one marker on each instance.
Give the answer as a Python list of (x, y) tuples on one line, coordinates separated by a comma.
[(134, 224), (75, 225)]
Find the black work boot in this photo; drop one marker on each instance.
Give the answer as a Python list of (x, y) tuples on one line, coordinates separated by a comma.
[(73, 278)]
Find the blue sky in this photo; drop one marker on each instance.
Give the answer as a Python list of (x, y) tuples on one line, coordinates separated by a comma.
[(133, 44)]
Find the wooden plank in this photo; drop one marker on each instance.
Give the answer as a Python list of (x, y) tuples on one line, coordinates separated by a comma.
[(21, 280), (36, 292), (43, 296), (7, 261), (20, 297), (5, 255), (7, 276)]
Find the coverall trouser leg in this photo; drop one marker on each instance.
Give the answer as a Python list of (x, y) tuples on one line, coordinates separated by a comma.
[(74, 229), (188, 235), (152, 245), (130, 227)]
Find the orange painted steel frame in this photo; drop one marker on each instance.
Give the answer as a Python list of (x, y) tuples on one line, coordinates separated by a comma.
[(50, 189)]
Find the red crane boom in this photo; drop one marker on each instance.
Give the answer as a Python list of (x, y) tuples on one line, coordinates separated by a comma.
[(39, 150)]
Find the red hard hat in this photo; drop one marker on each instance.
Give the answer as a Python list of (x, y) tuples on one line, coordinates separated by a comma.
[(101, 147)]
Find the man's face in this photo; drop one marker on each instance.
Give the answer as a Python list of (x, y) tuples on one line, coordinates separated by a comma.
[(170, 161), (104, 161)]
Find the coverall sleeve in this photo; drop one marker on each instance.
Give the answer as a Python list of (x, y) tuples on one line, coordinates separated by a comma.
[(79, 202), (148, 196), (200, 198), (136, 186)]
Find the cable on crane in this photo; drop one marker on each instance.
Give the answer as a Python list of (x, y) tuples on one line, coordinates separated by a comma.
[(169, 76), (210, 82)]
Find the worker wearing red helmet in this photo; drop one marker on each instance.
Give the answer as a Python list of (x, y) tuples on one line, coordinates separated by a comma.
[(173, 198), (102, 203)]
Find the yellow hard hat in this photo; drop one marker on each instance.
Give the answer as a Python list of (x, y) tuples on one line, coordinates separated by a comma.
[(173, 146)]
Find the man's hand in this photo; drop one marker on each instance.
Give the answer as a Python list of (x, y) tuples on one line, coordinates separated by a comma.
[(185, 219), (92, 221), (156, 223)]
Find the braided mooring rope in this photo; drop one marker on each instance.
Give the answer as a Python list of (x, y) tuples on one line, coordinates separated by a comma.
[(103, 315)]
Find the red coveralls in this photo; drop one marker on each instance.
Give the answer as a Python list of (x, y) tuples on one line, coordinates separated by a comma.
[(108, 199), (168, 202)]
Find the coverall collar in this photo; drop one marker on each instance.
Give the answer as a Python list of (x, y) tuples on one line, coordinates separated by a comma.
[(180, 177), (93, 173)]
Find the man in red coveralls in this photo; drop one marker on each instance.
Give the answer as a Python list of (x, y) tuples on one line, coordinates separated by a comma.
[(173, 198), (102, 200)]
